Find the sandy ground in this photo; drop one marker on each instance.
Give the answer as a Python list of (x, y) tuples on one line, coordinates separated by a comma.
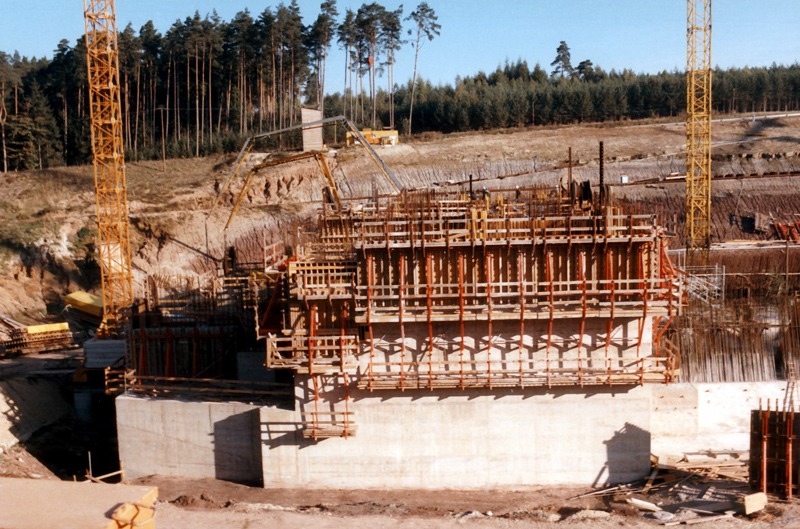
[(210, 503)]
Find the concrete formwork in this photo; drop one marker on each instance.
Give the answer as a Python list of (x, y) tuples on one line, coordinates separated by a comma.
[(512, 358), (531, 316)]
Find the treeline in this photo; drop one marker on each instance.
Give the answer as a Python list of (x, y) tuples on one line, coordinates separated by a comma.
[(206, 84), (515, 95)]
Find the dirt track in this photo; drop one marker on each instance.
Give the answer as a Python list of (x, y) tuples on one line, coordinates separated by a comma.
[(207, 504)]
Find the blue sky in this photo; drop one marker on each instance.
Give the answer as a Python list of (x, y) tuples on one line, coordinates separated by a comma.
[(643, 35)]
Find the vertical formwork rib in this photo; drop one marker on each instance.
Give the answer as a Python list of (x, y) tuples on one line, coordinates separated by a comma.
[(548, 265), (109, 160), (521, 274), (402, 288), (582, 325), (461, 315), (488, 273), (370, 282), (698, 125)]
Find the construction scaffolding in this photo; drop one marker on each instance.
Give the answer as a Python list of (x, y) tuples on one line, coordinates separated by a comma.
[(436, 291), (185, 337)]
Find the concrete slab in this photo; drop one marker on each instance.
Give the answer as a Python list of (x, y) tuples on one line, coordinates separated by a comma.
[(34, 504)]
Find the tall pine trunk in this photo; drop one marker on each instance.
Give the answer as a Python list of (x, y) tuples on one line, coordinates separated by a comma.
[(373, 89), (3, 136), (166, 107), (274, 85), (203, 98), (196, 101), (345, 98), (64, 98), (260, 96), (322, 84), (188, 104), (210, 108), (126, 108), (3, 116), (413, 83), (136, 127)]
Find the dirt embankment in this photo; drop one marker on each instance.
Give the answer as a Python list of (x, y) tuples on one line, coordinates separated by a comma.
[(49, 225)]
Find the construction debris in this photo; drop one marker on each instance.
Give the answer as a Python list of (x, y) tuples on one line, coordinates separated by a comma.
[(754, 502), (644, 505)]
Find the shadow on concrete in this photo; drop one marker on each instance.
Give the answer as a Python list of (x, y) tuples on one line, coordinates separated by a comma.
[(494, 393), (29, 403), (276, 434), (237, 450), (627, 456)]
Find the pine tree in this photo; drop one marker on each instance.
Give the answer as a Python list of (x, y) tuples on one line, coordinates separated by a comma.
[(391, 31), (425, 20), (319, 40), (8, 78), (346, 37), (562, 65)]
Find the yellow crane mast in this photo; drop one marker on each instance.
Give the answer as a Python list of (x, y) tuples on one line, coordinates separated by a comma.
[(698, 127), (109, 162)]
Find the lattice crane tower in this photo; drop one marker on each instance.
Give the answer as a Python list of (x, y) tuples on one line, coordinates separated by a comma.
[(109, 161), (698, 126)]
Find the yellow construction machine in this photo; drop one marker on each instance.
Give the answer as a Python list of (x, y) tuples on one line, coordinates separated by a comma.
[(332, 194)]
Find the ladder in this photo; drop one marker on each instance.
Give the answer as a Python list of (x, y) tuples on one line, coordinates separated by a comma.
[(791, 397)]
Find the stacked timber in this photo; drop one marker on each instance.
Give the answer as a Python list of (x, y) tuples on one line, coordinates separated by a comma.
[(40, 338)]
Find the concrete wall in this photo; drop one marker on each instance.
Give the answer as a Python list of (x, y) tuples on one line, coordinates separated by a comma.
[(468, 440), (454, 439), (191, 439), (695, 417), (27, 405)]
